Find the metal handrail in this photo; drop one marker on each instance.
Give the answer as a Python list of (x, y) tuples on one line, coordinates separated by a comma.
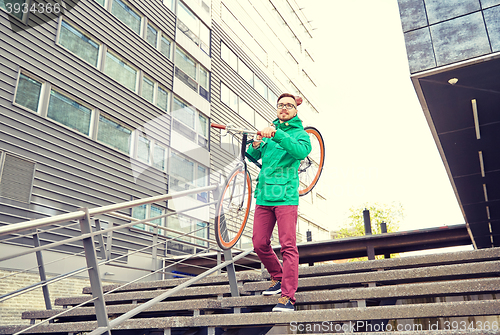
[(80, 214), (87, 235)]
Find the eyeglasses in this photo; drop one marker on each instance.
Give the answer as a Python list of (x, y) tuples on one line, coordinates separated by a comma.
[(288, 106)]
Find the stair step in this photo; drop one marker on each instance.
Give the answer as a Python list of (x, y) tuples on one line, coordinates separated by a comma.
[(441, 272), (444, 288), (460, 257), (429, 310), (177, 306), (141, 296), (242, 276)]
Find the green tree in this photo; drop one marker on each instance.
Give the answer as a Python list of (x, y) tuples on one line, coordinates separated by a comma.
[(391, 214)]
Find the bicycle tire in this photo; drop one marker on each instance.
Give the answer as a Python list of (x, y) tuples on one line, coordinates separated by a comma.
[(311, 167), (233, 208)]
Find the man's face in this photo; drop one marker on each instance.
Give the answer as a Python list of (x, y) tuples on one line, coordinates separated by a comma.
[(285, 114)]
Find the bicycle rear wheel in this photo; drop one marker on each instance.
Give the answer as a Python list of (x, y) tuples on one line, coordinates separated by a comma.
[(233, 208), (311, 167)]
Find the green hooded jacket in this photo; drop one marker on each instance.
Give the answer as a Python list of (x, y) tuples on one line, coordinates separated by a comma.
[(278, 180)]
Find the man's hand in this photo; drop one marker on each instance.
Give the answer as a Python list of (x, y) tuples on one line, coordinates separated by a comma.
[(268, 132), (257, 141)]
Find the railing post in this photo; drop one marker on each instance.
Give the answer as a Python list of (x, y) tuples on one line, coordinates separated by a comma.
[(383, 230), (100, 239), (93, 269), (231, 274), (368, 231), (154, 252), (41, 271)]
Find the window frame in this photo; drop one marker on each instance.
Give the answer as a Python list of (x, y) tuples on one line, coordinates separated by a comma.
[(165, 36), (121, 124), (199, 42), (24, 18), (159, 33), (148, 228), (131, 8), (41, 96), (88, 36), (192, 183), (72, 98), (196, 128), (121, 59)]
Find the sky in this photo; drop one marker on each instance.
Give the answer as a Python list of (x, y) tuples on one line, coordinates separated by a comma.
[(378, 144)]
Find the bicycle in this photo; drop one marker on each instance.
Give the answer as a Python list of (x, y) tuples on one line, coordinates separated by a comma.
[(234, 203)]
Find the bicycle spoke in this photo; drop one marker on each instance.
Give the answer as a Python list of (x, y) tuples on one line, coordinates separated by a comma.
[(311, 167), (233, 209)]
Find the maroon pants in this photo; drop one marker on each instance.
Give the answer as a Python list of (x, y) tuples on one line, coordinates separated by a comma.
[(264, 220)]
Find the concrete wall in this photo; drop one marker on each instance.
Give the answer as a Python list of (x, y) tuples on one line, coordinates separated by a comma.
[(441, 32)]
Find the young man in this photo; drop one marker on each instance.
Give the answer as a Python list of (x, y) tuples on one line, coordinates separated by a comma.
[(281, 147)]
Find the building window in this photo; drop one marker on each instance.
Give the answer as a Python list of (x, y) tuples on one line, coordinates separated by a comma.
[(165, 47), (204, 77), (170, 4), (143, 212), (260, 87), (78, 43), (143, 148), (237, 104), (152, 35), (192, 73), (127, 15), (229, 98), (245, 72), (114, 134), (229, 57), (184, 113), (201, 181), (28, 92), (181, 223), (246, 112), (15, 8), (185, 63), (186, 175), (181, 173), (148, 89), (120, 71), (193, 27), (271, 97), (185, 123), (69, 112), (162, 98), (201, 231), (101, 2), (159, 157)]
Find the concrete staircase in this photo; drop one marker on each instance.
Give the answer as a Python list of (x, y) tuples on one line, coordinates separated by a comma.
[(410, 292)]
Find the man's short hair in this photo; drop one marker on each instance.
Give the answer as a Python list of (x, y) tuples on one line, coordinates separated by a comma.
[(298, 100)]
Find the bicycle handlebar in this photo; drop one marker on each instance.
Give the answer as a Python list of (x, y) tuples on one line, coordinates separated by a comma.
[(238, 130)]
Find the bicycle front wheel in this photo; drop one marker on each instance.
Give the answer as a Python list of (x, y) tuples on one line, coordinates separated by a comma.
[(233, 208), (311, 167)]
